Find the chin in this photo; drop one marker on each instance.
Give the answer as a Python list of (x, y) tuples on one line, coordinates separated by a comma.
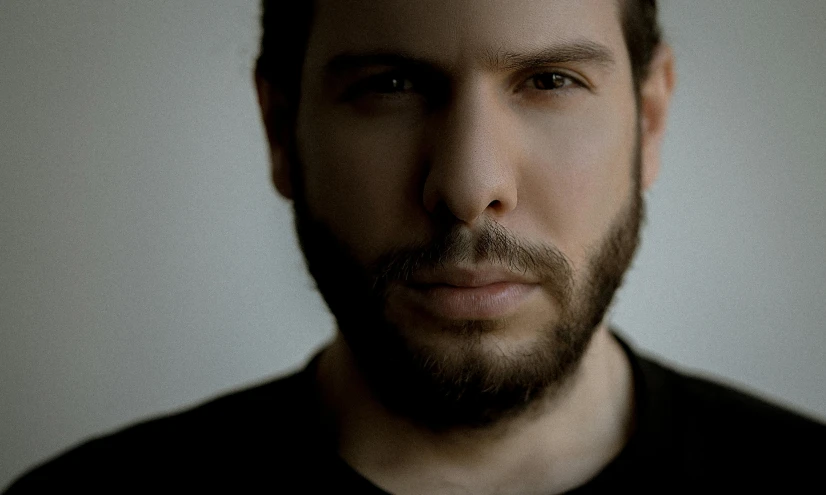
[(471, 373)]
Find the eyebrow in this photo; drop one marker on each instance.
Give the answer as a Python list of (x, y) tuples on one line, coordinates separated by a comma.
[(580, 51)]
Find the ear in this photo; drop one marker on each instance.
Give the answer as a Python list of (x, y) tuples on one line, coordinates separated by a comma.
[(655, 97), (273, 110)]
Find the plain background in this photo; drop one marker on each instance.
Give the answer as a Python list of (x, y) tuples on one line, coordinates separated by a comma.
[(146, 262)]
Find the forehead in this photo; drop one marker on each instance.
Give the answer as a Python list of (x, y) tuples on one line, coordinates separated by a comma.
[(461, 34)]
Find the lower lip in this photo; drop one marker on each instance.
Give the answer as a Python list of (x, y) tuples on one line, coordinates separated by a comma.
[(471, 303)]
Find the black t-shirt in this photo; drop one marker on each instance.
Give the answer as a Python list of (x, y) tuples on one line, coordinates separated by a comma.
[(691, 436)]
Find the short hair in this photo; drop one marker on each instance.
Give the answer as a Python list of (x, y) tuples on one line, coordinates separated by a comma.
[(286, 26)]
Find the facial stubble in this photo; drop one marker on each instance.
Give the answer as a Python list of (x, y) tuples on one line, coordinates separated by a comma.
[(465, 383)]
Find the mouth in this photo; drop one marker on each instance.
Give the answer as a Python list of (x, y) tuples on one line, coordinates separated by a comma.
[(469, 294)]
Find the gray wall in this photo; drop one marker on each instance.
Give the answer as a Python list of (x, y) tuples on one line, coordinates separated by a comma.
[(146, 263)]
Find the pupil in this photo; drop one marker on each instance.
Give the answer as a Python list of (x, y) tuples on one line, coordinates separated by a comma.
[(394, 83), (551, 81)]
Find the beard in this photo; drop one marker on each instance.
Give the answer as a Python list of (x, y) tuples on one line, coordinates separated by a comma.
[(465, 383)]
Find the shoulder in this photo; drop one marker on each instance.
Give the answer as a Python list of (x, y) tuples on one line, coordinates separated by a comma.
[(719, 432), (710, 404), (224, 440)]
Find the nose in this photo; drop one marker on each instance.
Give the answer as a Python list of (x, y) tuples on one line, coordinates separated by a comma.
[(472, 160)]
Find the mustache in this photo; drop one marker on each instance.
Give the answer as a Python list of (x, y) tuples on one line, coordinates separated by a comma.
[(491, 244)]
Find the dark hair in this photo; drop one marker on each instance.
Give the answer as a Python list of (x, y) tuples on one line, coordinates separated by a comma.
[(286, 28), (642, 36)]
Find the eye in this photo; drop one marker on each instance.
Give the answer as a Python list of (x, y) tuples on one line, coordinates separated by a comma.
[(386, 85), (550, 81), (391, 83)]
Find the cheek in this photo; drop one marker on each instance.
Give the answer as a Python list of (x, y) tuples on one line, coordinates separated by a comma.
[(360, 178), (578, 177)]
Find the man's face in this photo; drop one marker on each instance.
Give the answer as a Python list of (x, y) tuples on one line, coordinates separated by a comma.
[(467, 216)]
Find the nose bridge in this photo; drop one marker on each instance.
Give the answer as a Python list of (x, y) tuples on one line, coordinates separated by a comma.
[(472, 158)]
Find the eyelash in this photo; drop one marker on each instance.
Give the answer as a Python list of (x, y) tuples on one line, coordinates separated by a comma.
[(370, 84)]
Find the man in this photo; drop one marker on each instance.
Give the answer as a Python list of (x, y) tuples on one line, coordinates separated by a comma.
[(467, 178)]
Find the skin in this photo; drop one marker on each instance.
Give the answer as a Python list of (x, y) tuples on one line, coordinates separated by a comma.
[(552, 166)]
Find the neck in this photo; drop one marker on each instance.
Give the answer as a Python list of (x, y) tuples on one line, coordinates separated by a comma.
[(559, 445)]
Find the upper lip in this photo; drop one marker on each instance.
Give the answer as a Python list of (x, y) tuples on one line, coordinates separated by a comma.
[(470, 277)]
